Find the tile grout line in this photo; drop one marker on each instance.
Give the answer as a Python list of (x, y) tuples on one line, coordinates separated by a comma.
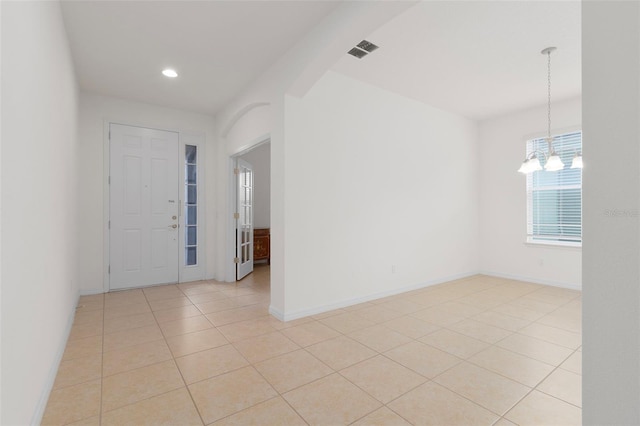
[(240, 353), (432, 380), (149, 365), (104, 308), (280, 394), (159, 362), (193, 401), (509, 378), (535, 388), (461, 359)]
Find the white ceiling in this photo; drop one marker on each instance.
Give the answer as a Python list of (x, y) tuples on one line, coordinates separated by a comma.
[(217, 47), (475, 58)]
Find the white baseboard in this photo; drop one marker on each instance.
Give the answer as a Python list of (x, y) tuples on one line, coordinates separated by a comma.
[(53, 371), (290, 316), (91, 292), (276, 313), (570, 286)]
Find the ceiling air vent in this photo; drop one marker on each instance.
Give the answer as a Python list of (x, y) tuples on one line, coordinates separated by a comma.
[(362, 49), (367, 45), (358, 53)]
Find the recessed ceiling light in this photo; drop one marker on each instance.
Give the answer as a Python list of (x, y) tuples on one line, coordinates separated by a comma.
[(169, 73)]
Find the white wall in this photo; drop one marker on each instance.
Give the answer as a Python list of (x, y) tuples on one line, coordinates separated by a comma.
[(260, 159), (611, 246), (376, 180), (0, 213), (295, 72), (39, 200), (95, 110), (503, 203)]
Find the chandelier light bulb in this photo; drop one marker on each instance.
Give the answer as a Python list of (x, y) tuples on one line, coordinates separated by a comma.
[(530, 164), (577, 162), (524, 167), (554, 163), (534, 164)]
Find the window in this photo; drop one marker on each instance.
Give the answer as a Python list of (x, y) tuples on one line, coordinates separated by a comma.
[(554, 199), (191, 206)]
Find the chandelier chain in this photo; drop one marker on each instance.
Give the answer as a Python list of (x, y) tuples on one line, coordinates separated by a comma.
[(549, 95), (553, 162)]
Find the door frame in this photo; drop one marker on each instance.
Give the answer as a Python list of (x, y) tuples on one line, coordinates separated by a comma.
[(230, 275), (185, 274)]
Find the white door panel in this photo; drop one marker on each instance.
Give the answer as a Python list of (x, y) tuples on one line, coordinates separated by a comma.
[(244, 221), (144, 192)]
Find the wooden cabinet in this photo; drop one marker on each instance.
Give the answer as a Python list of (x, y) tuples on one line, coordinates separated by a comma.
[(261, 244)]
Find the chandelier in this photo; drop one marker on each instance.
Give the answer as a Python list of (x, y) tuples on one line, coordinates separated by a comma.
[(553, 162)]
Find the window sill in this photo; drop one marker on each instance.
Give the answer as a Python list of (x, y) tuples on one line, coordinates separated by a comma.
[(554, 244)]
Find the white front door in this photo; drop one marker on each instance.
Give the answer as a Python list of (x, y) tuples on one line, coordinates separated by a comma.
[(144, 207), (244, 219)]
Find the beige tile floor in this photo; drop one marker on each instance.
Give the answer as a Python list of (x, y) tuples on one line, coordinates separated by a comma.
[(481, 350)]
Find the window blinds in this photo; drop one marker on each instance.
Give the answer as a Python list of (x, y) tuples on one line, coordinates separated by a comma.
[(554, 199)]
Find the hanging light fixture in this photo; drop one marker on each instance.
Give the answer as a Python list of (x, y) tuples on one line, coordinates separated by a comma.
[(553, 161), (530, 164), (576, 163)]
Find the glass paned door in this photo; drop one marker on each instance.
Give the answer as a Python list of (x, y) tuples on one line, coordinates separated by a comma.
[(244, 219)]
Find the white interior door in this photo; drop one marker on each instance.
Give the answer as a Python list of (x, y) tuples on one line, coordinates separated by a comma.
[(244, 219), (144, 207)]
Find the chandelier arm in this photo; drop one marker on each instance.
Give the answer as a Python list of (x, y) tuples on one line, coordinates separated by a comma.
[(535, 152)]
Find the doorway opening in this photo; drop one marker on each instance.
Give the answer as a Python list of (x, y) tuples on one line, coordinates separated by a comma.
[(251, 181)]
